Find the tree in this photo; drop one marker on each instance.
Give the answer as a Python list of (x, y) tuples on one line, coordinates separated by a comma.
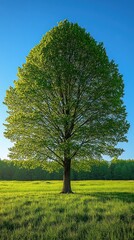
[(67, 102)]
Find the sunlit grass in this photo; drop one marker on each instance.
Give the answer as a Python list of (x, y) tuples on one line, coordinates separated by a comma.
[(99, 210)]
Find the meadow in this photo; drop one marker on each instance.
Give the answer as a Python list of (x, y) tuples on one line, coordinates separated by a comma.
[(35, 210)]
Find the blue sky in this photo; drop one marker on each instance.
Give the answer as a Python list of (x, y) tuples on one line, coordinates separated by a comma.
[(23, 23)]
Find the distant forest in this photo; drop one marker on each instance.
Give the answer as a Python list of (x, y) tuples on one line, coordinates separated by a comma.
[(98, 169)]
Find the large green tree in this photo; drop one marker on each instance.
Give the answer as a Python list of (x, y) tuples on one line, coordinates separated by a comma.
[(67, 102)]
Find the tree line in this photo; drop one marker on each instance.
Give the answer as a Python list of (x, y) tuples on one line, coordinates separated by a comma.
[(116, 169)]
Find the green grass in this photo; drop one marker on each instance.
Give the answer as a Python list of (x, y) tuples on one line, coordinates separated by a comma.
[(99, 210)]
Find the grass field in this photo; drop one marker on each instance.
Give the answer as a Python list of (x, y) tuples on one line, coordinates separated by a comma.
[(99, 210)]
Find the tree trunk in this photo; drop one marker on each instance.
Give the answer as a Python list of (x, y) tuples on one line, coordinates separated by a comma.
[(66, 177)]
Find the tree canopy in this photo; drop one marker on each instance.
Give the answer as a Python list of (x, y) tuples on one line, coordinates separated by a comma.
[(67, 102)]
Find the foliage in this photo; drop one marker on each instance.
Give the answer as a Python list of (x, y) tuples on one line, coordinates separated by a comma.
[(99, 210), (67, 101), (25, 170)]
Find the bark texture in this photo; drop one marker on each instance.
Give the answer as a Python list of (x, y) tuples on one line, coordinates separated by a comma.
[(66, 177)]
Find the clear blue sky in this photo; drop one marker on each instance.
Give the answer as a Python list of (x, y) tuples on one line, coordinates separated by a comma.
[(23, 23)]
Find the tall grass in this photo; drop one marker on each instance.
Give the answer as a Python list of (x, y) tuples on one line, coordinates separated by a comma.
[(99, 210)]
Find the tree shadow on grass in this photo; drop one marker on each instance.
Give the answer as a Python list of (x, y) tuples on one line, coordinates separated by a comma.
[(104, 196)]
